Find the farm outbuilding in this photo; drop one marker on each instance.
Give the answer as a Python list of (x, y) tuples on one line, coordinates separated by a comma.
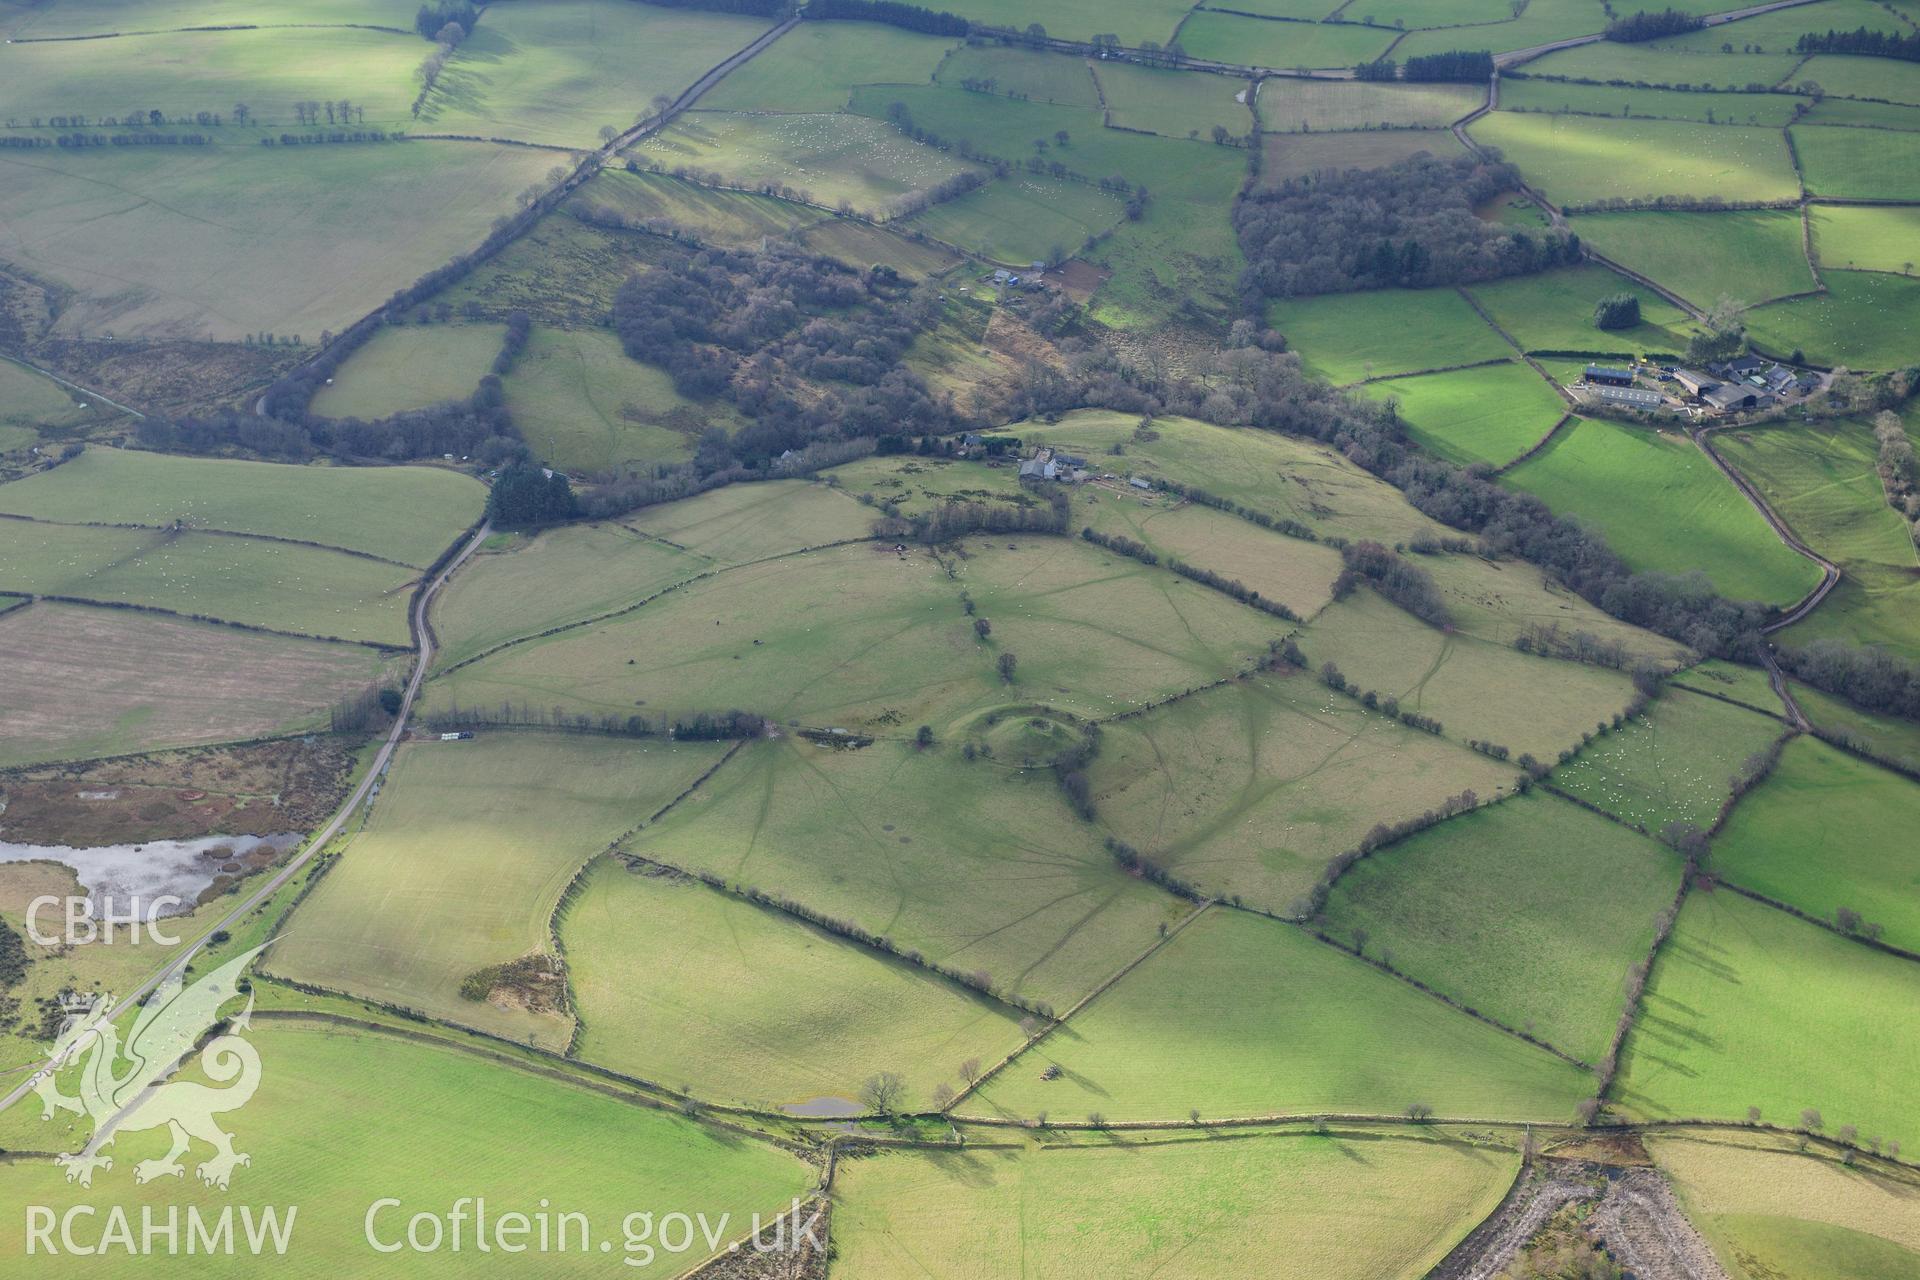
[(1628, 397), (1694, 381), (1734, 396), (1605, 376)]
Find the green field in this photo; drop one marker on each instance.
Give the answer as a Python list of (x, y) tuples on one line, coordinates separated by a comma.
[(1872, 164), (1134, 21), (1293, 572), (1321, 106), (1227, 37), (977, 865), (1249, 790), (1530, 705), (1823, 480), (558, 71), (29, 401), (1751, 1007), (1490, 414), (1866, 115), (1024, 73), (1350, 1206), (1887, 737), (462, 862), (410, 367), (1530, 911), (717, 216), (475, 1128), (1864, 320), (1554, 96), (1866, 239), (585, 407), (1663, 506), (861, 246), (407, 514), (43, 21), (190, 241), (1542, 21), (912, 485), (1674, 762), (1825, 831), (1499, 600), (742, 1002), (1575, 159), (1659, 64), (1553, 311), (1241, 1016), (1178, 104), (1022, 218), (1349, 336), (1747, 256), (1883, 78), (815, 66), (746, 522), (1748, 686), (1291, 155)]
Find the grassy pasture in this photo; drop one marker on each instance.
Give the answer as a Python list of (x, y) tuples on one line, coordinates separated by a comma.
[(1290, 155), (1544, 20), (1553, 311), (29, 401), (557, 71), (1243, 1016), (1663, 506), (1322, 106), (744, 522), (1823, 480), (719, 217), (1746, 1008), (1749, 256), (462, 862), (181, 73), (1134, 21), (1885, 736), (1864, 320), (1530, 911), (1349, 336), (41, 21), (1659, 63), (1557, 96), (1531, 705), (1865, 115), (1748, 686), (1885, 79), (859, 245), (1298, 574), (195, 241), (1350, 1206), (1496, 600), (815, 66), (1779, 29), (826, 157), (1022, 218), (564, 575), (78, 682), (475, 1126), (744, 1003), (1490, 414), (1827, 830), (1030, 73), (1251, 788), (913, 485), (410, 367), (409, 514), (1672, 763), (977, 865), (1256, 42), (1866, 239), (585, 407), (1875, 164), (1573, 159), (1178, 104)]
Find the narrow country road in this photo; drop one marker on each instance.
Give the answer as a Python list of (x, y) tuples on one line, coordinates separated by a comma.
[(423, 640)]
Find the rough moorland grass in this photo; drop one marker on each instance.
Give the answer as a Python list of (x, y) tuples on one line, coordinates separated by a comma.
[(1822, 479), (1748, 256), (1553, 311), (716, 216), (1751, 1007), (977, 865), (1290, 571), (1289, 155), (564, 575), (188, 241), (1621, 102), (1579, 158), (1249, 789), (1022, 218), (410, 367), (409, 514), (81, 682), (1662, 505), (558, 71), (475, 1127), (1672, 763), (247, 580), (584, 407), (1865, 238), (1828, 830), (1530, 911), (1762, 1204), (1882, 78), (815, 66), (1350, 336), (1491, 414), (1321, 106), (1134, 21), (1864, 320), (744, 1003), (1499, 600), (463, 860), (1877, 164), (1885, 737), (1478, 691), (1350, 1206), (1228, 37), (1244, 1016), (1178, 104)]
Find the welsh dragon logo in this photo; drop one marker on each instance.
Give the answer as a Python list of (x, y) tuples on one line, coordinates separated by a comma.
[(125, 1088)]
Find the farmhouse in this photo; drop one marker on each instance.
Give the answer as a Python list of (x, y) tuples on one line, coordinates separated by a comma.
[(1603, 376)]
